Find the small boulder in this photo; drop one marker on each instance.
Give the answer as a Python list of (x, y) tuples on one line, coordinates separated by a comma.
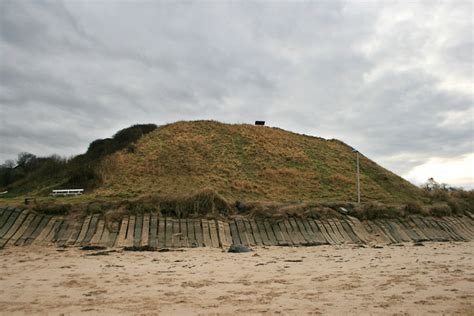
[(239, 249)]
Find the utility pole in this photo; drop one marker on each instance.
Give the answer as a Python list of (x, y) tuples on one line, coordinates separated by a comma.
[(358, 176)]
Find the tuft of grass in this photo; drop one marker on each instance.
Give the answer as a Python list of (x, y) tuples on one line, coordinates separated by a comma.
[(375, 210), (52, 209)]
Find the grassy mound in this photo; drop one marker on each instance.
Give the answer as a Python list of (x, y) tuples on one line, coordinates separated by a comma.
[(245, 163)]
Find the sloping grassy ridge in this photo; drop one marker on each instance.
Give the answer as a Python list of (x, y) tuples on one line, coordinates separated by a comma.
[(245, 163)]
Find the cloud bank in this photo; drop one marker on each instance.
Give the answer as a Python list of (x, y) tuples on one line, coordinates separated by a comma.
[(393, 79)]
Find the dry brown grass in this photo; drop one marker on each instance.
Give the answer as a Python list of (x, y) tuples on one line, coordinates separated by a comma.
[(246, 162)]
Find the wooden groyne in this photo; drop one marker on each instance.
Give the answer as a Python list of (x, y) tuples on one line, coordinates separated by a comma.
[(22, 227)]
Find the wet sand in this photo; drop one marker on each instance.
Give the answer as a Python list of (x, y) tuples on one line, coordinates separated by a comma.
[(437, 278)]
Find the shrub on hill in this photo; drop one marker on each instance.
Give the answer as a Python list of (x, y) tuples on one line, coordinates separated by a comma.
[(41, 174)]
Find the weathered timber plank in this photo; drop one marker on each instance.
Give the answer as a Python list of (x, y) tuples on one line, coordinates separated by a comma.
[(37, 230), (318, 235), (409, 223), (24, 239), (213, 233), (184, 233), (270, 233), (41, 238), (379, 233), (445, 231), (459, 228), (227, 233), (130, 237), (309, 232), (21, 230), (384, 227), (307, 241), (223, 241), (290, 231), (453, 229), (98, 232), (104, 236), (242, 232), (349, 231), (44, 231), (74, 232), (370, 235), (175, 236), (235, 233), (120, 242), (161, 232), (137, 234), (220, 234), (4, 218), (14, 228), (335, 231), (329, 232), (436, 233), (453, 233), (278, 234), (110, 238), (168, 232), (394, 224), (191, 235), (263, 233), (393, 232), (324, 232), (92, 229), (425, 229), (198, 232), (60, 229), (84, 229), (65, 233), (256, 232), (145, 236), (286, 240), (206, 237), (462, 222), (130, 232), (343, 232), (153, 238), (329, 229), (297, 231), (409, 231), (10, 221), (357, 228), (248, 230), (436, 229), (332, 229), (54, 230)]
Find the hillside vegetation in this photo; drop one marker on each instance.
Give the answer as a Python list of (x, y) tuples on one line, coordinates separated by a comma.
[(39, 175), (245, 163), (207, 168)]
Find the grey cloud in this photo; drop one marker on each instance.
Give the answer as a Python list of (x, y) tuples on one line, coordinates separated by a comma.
[(372, 75)]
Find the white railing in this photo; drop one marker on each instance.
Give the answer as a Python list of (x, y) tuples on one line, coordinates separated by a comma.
[(67, 192)]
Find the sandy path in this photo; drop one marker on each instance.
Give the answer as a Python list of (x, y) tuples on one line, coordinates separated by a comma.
[(435, 279)]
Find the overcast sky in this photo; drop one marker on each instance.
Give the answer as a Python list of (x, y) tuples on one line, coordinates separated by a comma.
[(393, 79)]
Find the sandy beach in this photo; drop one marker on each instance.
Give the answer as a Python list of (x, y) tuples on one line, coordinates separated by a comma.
[(437, 278)]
